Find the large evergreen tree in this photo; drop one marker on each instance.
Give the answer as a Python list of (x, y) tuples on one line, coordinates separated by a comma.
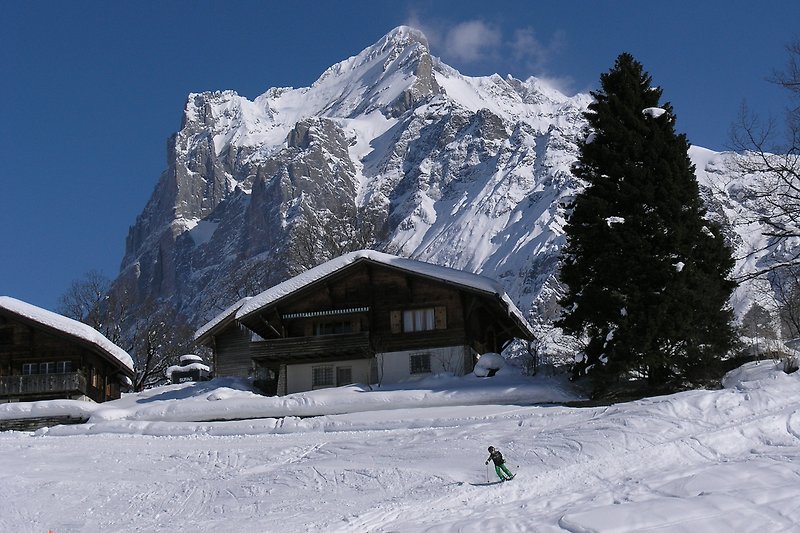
[(646, 274)]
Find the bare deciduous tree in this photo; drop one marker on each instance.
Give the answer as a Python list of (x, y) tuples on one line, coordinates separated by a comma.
[(155, 337), (94, 301), (160, 338), (84, 299), (786, 285), (771, 154)]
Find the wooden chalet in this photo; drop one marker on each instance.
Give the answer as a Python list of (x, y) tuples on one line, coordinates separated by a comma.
[(365, 317), (46, 356)]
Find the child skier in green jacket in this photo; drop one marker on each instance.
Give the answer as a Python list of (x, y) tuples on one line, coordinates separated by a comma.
[(499, 464)]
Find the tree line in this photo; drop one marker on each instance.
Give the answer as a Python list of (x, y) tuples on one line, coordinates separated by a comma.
[(154, 335)]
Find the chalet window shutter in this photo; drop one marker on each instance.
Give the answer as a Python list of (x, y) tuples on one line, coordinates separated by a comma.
[(396, 322), (440, 313)]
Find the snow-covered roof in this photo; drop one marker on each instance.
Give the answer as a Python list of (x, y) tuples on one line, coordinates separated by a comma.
[(220, 318), (186, 368), (71, 327), (457, 277)]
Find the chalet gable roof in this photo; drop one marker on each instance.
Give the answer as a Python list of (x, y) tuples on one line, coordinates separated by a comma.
[(221, 320), (67, 326), (460, 278)]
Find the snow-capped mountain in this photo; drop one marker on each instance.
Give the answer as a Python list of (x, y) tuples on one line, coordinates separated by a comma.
[(390, 149)]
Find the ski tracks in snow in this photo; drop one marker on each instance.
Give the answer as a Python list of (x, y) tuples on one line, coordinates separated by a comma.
[(731, 457), (684, 446)]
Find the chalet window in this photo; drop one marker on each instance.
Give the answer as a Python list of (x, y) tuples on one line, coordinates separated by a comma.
[(6, 335), (344, 375), (322, 376), (420, 363), (423, 319), (28, 369), (47, 368), (64, 367), (418, 320), (333, 328)]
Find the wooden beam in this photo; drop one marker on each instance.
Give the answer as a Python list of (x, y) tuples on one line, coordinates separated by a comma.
[(270, 326)]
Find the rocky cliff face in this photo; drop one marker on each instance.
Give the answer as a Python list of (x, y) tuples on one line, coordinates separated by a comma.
[(389, 149)]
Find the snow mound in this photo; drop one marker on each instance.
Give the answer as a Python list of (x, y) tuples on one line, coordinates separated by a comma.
[(488, 364), (753, 374)]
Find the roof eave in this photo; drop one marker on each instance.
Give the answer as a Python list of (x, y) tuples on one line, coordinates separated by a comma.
[(276, 301), (110, 357)]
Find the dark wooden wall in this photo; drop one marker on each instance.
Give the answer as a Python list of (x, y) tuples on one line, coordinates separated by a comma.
[(384, 291), (21, 342), (232, 352)]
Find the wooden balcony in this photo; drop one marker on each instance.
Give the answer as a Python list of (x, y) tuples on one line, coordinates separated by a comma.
[(344, 346), (42, 384)]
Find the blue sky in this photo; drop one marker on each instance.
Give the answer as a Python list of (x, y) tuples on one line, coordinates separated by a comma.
[(92, 90)]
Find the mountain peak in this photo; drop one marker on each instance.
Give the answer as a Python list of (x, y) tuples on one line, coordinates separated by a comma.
[(401, 42), (390, 75), (402, 36)]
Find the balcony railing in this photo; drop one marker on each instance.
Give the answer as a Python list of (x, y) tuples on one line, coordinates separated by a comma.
[(346, 344), (42, 384)]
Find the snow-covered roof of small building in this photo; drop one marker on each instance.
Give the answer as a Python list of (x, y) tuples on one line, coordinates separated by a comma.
[(186, 368), (68, 326), (449, 275)]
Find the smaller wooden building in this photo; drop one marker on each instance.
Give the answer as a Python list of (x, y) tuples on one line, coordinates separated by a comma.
[(191, 369), (365, 317), (47, 356)]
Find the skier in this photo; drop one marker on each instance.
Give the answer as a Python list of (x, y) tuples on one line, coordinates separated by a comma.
[(499, 464)]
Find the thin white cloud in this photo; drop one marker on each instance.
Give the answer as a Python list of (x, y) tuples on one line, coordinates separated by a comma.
[(476, 41), (471, 41), (433, 33), (530, 51)]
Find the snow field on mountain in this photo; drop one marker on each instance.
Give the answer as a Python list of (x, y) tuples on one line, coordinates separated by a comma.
[(723, 460)]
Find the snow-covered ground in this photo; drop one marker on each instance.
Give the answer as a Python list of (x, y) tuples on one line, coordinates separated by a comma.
[(374, 460)]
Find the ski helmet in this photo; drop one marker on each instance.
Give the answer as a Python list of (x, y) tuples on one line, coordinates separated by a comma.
[(491, 448)]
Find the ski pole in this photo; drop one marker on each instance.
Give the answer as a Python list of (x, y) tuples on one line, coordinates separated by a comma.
[(487, 472)]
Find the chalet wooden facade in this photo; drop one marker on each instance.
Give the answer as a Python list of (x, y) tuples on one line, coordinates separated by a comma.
[(365, 317), (46, 356)]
